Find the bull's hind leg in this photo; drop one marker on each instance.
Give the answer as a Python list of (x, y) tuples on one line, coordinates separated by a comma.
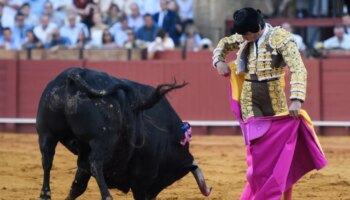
[(97, 157), (47, 148), (79, 184)]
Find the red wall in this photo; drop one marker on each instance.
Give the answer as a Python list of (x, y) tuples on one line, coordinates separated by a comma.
[(205, 98)]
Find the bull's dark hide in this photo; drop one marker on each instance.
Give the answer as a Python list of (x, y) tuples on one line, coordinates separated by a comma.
[(126, 134)]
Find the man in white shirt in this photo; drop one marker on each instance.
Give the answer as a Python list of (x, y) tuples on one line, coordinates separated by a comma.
[(340, 40), (135, 20), (186, 10), (124, 5), (9, 12), (148, 6), (44, 29), (119, 31), (297, 38), (72, 30)]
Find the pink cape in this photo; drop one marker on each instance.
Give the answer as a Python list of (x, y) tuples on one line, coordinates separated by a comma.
[(280, 149)]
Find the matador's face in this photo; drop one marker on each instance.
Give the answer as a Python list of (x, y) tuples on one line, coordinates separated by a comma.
[(252, 37)]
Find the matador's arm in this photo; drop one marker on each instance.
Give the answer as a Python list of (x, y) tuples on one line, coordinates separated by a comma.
[(286, 46), (225, 45)]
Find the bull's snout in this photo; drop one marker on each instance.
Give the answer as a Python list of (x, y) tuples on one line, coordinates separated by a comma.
[(198, 175)]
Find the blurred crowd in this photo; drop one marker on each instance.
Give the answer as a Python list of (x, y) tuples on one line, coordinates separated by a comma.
[(154, 25)]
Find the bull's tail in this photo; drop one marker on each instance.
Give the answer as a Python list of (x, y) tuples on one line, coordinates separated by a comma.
[(159, 92)]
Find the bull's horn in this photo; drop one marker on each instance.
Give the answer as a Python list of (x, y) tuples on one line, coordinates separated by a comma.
[(198, 175)]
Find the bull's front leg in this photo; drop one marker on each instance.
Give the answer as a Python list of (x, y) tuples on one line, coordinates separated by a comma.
[(47, 148), (97, 158)]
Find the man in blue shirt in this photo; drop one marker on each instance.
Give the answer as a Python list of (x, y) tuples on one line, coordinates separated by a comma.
[(20, 28), (149, 30)]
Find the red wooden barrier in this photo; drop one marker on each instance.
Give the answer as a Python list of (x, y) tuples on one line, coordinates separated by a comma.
[(205, 98)]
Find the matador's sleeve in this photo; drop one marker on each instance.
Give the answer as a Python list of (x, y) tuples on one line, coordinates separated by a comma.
[(225, 45), (283, 41)]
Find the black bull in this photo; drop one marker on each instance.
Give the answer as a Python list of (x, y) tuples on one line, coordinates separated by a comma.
[(126, 135)]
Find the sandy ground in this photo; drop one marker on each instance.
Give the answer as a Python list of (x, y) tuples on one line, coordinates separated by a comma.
[(222, 159)]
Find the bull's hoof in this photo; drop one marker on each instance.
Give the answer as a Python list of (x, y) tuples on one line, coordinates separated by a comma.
[(108, 198), (45, 195)]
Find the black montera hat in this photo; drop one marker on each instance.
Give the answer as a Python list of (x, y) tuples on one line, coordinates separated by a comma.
[(247, 20)]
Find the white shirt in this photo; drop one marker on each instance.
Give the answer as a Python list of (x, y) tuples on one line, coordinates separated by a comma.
[(56, 4), (334, 43), (8, 13), (186, 9), (72, 33), (135, 23), (124, 5), (96, 38), (262, 38), (299, 40), (161, 45), (148, 6), (44, 34), (161, 18)]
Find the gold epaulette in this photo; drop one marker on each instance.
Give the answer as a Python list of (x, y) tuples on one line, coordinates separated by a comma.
[(279, 37)]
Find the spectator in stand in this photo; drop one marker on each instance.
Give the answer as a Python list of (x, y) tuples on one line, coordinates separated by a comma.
[(20, 28), (57, 42), (162, 43), (340, 40), (82, 42), (132, 43), (31, 41), (29, 19), (190, 39), (8, 42), (37, 7), (297, 38), (118, 30), (97, 30), (135, 20), (55, 17), (85, 8), (186, 11), (346, 23), (61, 6), (113, 15), (103, 6), (148, 31), (44, 29), (168, 20), (107, 40), (1, 27), (124, 5), (206, 45), (11, 7), (72, 11), (72, 30), (148, 6)]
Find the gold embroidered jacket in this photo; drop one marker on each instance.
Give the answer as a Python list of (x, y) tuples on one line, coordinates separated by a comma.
[(276, 51)]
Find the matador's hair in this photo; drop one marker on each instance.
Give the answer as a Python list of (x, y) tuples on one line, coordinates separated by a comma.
[(247, 20)]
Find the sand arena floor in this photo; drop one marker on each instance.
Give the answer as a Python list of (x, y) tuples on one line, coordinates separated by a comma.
[(222, 159)]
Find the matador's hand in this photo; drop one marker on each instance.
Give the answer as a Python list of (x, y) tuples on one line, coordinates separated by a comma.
[(294, 109), (223, 69)]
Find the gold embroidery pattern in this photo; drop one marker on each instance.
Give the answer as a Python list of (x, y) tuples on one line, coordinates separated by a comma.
[(246, 101), (277, 96), (296, 66), (227, 44)]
